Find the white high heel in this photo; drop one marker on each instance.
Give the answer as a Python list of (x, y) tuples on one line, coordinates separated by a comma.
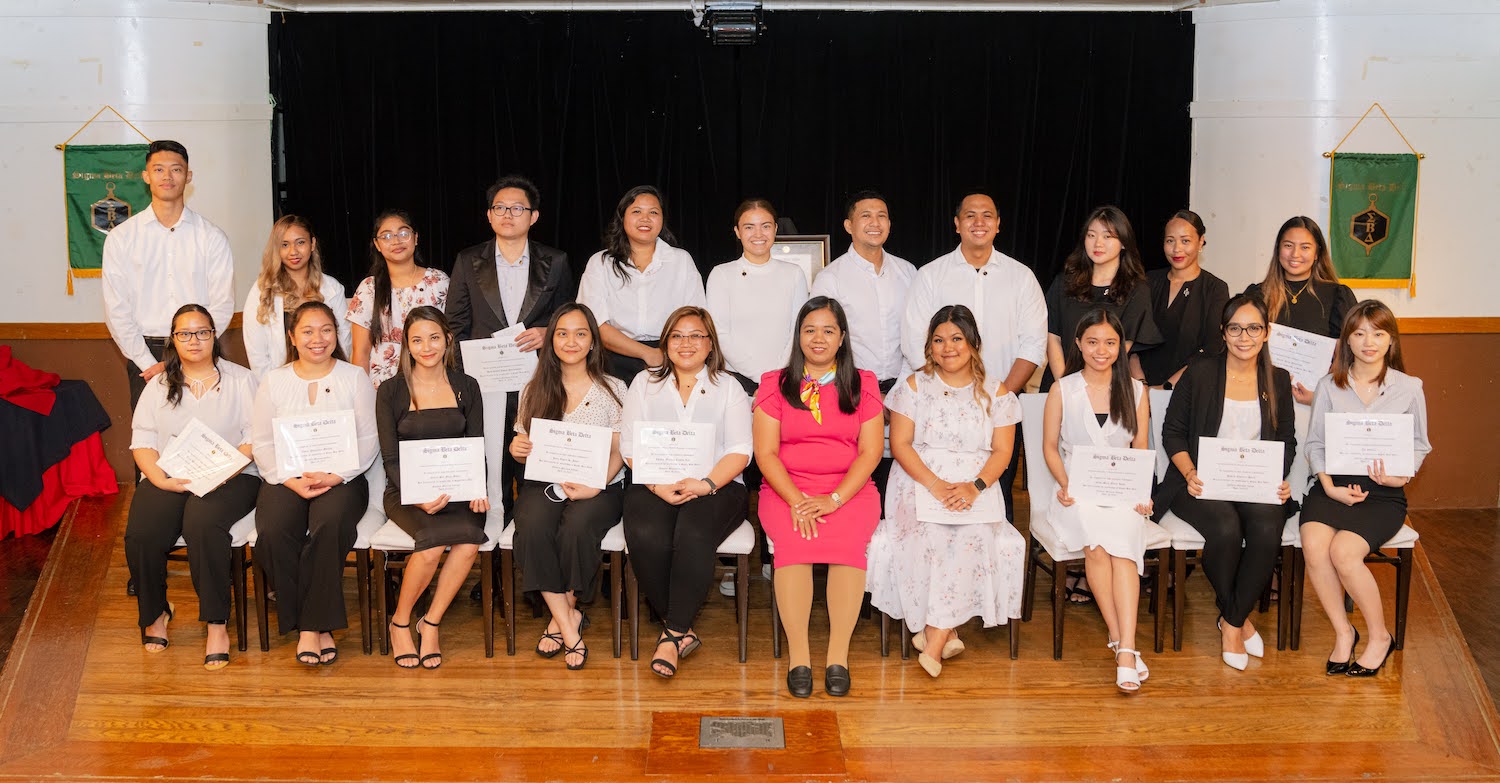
[(1237, 661), (1255, 645), (1141, 670), (952, 647), (1127, 678)]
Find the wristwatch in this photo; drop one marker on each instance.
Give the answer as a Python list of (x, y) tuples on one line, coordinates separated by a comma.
[(979, 483), (713, 489), (837, 501)]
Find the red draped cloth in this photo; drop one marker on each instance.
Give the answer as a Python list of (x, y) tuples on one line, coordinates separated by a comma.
[(84, 472)]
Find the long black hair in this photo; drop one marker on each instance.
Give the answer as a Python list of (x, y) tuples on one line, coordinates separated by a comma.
[(616, 243), (381, 275), (172, 363), (1078, 269), (1265, 386), (1122, 400), (846, 376), (297, 316), (545, 397)]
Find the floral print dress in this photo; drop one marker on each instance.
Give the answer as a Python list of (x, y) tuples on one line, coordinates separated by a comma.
[(385, 349)]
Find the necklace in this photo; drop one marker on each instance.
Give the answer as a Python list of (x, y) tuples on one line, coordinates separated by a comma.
[(1299, 293)]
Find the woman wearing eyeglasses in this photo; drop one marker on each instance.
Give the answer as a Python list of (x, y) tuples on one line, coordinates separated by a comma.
[(673, 529), (291, 272), (1237, 395), (636, 281), (397, 284), (559, 527), (197, 383)]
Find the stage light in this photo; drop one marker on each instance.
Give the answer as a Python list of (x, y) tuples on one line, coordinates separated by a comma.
[(732, 22)]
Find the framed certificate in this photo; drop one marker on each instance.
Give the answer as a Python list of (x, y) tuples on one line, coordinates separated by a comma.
[(442, 466), (199, 455), (569, 452), (1305, 355), (809, 251), (1111, 477), (1355, 440), (667, 452), (497, 364), (322, 442), (1247, 471)]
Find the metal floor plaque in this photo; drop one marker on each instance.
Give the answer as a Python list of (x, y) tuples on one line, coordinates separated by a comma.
[(728, 732)]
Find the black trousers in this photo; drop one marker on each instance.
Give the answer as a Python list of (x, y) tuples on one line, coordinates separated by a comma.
[(557, 544), (157, 517), (672, 547), (626, 367), (302, 545), (1239, 574), (513, 471), (158, 348)]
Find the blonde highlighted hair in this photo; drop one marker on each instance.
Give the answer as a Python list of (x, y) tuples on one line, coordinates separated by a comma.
[(274, 279)]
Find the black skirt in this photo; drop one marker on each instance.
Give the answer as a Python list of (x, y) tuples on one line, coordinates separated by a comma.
[(1376, 519)]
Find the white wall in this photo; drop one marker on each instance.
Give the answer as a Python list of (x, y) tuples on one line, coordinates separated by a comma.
[(191, 71), (1279, 83)]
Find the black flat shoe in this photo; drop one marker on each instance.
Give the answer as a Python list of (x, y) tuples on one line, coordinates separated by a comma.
[(1356, 670), (1342, 667), (799, 681), (836, 680)]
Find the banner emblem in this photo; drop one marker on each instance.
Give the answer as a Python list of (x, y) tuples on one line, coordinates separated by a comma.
[(109, 211), (1371, 227)]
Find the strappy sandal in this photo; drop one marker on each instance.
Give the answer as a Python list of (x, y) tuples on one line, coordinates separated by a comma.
[(1076, 594), (160, 640), (404, 656), (552, 653), (309, 658), (687, 649), (1141, 670), (667, 637), (1127, 678), (577, 649), (437, 656)]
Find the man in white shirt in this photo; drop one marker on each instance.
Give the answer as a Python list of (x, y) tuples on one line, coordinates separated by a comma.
[(159, 260), (1004, 296)]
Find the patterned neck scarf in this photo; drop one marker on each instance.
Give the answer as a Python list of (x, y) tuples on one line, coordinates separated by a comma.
[(810, 390)]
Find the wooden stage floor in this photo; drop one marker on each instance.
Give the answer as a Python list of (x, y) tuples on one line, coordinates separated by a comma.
[(82, 701)]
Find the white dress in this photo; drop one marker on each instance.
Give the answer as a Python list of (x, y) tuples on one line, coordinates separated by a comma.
[(936, 574), (1120, 531)]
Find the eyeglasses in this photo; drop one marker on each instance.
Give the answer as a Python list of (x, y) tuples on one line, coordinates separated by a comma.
[(679, 337), (202, 335), (514, 210), (1254, 330), (403, 235)]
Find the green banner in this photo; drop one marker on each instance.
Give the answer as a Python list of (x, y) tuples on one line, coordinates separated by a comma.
[(1373, 218), (103, 187)]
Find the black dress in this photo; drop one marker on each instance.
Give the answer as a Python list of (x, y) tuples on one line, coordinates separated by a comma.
[(1189, 324), (1064, 312), (396, 422), (1319, 309)]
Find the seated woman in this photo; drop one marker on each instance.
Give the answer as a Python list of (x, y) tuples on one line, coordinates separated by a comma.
[(559, 527), (197, 383), (1346, 517), (674, 529), (429, 398), (1236, 395), (291, 272), (306, 522), (1098, 404), (952, 432)]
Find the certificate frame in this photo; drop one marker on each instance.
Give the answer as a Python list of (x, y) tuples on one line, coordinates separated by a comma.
[(809, 251)]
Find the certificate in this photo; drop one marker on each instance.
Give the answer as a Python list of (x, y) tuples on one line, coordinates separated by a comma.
[(1111, 477), (1355, 440), (1246, 471), (1305, 355), (957, 466), (442, 466), (497, 364), (569, 452), (323, 442), (199, 455), (669, 451)]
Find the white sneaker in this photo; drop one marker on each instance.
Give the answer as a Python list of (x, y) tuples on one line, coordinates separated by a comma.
[(726, 587)]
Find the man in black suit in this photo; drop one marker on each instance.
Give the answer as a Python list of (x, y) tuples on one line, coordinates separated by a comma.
[(509, 280)]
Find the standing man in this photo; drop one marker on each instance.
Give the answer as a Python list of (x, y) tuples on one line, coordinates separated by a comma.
[(872, 286), (1002, 292), (159, 260), (506, 281)]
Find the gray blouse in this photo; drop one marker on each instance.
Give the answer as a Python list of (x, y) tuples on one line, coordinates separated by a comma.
[(1400, 393)]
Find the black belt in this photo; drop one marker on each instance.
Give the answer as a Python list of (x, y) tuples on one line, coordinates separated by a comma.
[(157, 342)]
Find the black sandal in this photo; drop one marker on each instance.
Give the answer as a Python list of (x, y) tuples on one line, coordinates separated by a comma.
[(163, 641), (333, 651), (404, 656), (687, 649), (438, 656), (667, 637), (1076, 594), (309, 658), (552, 653), (578, 649)]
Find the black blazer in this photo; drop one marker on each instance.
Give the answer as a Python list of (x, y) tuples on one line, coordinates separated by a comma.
[(474, 308), (393, 401), (1198, 331), (1196, 410)]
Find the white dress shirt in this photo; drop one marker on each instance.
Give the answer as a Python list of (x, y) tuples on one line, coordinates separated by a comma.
[(151, 270), (722, 404), (875, 303), (265, 343), (285, 393), (1006, 300), (640, 304), (1400, 393), (755, 312), (512, 282), (224, 408)]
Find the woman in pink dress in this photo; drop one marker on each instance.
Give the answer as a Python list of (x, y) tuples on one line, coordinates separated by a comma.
[(819, 433)]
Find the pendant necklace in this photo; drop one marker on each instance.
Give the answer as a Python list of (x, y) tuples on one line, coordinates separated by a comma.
[(1299, 293)]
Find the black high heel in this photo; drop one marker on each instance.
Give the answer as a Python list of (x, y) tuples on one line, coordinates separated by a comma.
[(161, 640), (406, 656), (1356, 670), (668, 669), (1342, 667), (438, 656)]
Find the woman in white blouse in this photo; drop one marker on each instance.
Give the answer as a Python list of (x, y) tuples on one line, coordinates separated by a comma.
[(673, 529), (291, 272), (398, 284), (197, 383), (1346, 517), (559, 527), (306, 523), (636, 281), (755, 298)]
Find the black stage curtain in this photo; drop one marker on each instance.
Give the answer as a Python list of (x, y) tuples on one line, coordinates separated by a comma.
[(1054, 113)]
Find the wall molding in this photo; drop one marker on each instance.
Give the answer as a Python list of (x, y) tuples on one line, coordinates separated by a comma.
[(95, 330)]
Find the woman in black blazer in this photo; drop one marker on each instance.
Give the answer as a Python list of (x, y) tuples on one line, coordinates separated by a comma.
[(1235, 395), (1187, 302)]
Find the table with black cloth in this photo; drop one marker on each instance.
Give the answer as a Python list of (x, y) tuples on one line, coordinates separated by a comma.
[(49, 461)]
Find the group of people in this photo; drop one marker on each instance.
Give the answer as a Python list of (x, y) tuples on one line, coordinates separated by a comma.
[(799, 384)]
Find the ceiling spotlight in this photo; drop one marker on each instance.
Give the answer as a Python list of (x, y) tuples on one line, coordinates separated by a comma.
[(732, 22)]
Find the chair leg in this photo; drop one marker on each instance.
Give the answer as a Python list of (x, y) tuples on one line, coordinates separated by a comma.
[(508, 597), (885, 635), (237, 590), (633, 598), (1403, 594), (905, 641), (1158, 600), (487, 599), (1030, 584), (1299, 570), (742, 602), (1179, 580), (262, 604), (775, 620), (616, 597), (1059, 577), (1288, 595), (382, 601), (1013, 630), (362, 579)]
